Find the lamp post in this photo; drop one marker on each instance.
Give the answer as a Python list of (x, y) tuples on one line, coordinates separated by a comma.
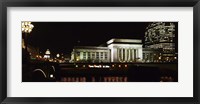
[(26, 28)]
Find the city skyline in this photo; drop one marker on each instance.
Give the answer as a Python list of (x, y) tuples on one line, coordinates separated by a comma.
[(100, 51)]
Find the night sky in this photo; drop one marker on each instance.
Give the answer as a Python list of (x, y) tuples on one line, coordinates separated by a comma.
[(61, 37)]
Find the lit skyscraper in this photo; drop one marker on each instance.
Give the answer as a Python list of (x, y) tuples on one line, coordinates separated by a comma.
[(160, 38)]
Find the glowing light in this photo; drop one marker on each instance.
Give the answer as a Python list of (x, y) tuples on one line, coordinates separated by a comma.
[(119, 65), (91, 66), (46, 56), (27, 27), (126, 65), (99, 66), (51, 75), (58, 55), (106, 66)]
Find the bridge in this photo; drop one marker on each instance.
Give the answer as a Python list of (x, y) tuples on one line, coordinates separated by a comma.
[(101, 72)]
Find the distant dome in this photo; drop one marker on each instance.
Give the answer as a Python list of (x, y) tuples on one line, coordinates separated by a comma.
[(47, 52)]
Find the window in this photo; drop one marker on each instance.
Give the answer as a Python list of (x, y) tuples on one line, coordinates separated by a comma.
[(93, 55), (84, 55), (106, 55), (101, 55), (78, 53), (97, 55), (88, 55), (144, 56)]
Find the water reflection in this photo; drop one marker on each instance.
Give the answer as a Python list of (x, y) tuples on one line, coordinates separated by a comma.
[(95, 79)]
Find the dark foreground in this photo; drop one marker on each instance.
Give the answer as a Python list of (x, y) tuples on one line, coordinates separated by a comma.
[(105, 72)]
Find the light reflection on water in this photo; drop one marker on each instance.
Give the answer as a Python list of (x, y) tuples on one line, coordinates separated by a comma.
[(94, 79)]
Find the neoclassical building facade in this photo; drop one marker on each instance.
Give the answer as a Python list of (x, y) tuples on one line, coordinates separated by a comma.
[(125, 50), (90, 54), (117, 50)]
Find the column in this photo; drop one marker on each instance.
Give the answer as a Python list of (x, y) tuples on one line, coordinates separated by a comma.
[(81, 55), (140, 54), (129, 55), (134, 54), (118, 54), (118, 58), (136, 50), (95, 55), (122, 55), (86, 56), (103, 55), (125, 50)]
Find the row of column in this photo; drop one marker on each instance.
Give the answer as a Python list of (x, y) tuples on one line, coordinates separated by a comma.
[(127, 55)]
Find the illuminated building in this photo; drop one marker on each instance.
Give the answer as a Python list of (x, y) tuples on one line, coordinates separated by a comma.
[(117, 50), (160, 39), (125, 50), (47, 54), (90, 54), (158, 46), (152, 55)]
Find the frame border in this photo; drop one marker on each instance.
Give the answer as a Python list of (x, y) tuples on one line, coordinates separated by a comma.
[(97, 3)]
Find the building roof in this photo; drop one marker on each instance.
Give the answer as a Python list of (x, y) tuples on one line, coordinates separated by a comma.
[(90, 47), (130, 41)]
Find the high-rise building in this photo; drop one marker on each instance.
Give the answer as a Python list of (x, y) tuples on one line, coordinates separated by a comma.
[(160, 37)]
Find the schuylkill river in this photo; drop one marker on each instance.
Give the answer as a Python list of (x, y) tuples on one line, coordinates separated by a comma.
[(140, 72)]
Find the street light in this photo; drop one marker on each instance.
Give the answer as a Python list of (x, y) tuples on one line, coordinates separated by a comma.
[(58, 55), (26, 28)]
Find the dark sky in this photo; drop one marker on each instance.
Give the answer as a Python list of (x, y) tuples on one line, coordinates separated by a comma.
[(61, 37)]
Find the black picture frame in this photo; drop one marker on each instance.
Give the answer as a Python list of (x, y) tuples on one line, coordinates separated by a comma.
[(98, 3)]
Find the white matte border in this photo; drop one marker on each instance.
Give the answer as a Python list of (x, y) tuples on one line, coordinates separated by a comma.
[(182, 88)]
